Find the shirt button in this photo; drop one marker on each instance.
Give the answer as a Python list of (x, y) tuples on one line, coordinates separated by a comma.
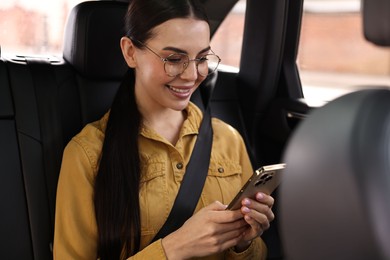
[(179, 166), (221, 170)]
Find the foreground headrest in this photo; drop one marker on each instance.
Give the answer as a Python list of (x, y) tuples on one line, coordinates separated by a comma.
[(334, 196), (92, 39), (376, 21)]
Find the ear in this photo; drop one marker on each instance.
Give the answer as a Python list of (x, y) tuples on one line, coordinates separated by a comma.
[(128, 51)]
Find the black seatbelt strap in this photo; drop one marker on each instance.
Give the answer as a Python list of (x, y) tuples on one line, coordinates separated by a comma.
[(196, 171)]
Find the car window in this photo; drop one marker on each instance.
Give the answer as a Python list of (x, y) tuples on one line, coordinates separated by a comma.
[(334, 58), (36, 27), (33, 27), (227, 40)]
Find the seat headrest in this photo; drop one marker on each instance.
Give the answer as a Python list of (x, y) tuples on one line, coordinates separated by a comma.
[(376, 21), (92, 39), (334, 196)]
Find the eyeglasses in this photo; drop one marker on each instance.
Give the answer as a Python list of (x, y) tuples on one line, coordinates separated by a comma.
[(176, 63)]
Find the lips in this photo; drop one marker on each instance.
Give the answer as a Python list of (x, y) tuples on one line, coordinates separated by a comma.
[(179, 90), (181, 93)]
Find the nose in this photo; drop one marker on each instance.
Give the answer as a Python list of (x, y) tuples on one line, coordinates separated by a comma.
[(191, 72)]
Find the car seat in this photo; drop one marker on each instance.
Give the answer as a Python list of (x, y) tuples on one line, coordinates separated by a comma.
[(376, 21), (334, 196), (334, 199), (44, 102)]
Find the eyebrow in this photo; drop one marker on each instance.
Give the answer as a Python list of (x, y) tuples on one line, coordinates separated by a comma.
[(174, 49)]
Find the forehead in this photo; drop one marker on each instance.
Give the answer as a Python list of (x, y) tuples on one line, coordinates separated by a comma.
[(184, 33)]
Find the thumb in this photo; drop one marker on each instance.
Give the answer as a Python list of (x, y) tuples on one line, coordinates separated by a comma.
[(216, 205)]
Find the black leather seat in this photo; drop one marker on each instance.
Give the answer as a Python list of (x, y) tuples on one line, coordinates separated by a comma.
[(334, 198), (15, 242), (43, 103)]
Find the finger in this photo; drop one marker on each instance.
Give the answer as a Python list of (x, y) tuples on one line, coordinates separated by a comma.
[(216, 205), (216, 212), (252, 205), (256, 228), (229, 236), (225, 228), (231, 239), (228, 216), (265, 199), (235, 233), (264, 211), (256, 219)]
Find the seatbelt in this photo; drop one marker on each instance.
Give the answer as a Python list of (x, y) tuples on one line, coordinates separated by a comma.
[(196, 172)]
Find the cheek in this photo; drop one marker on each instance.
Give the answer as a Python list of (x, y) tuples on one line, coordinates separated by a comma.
[(151, 68), (151, 71)]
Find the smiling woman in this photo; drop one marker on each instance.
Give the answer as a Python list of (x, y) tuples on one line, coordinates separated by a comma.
[(121, 178)]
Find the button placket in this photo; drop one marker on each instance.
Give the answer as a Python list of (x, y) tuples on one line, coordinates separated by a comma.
[(177, 163)]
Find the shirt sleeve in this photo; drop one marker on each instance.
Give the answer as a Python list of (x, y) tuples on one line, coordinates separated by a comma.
[(75, 235), (256, 250), (75, 224), (153, 251)]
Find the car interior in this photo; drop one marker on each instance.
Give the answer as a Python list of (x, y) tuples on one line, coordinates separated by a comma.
[(45, 101)]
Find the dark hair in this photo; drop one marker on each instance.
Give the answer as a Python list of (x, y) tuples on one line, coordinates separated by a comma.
[(116, 190)]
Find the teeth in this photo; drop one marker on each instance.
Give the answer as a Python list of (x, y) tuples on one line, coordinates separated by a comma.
[(178, 90)]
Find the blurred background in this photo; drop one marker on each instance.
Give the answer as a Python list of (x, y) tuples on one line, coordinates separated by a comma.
[(333, 58)]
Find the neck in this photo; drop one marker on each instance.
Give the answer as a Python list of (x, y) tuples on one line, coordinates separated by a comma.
[(167, 124)]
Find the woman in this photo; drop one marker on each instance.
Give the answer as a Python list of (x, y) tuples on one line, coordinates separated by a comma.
[(121, 174)]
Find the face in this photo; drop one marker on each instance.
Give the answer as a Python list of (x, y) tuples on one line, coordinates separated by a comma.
[(155, 90)]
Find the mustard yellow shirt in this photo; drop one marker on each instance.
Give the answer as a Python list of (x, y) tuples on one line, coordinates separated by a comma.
[(162, 170)]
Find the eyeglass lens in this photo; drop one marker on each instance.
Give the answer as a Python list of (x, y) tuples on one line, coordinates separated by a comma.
[(175, 64)]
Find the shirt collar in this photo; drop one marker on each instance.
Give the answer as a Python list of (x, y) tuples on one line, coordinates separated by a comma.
[(190, 126)]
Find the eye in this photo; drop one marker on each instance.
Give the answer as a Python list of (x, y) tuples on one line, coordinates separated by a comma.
[(176, 59), (202, 59)]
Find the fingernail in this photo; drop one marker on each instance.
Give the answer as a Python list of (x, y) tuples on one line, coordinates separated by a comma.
[(259, 196), (246, 210), (247, 202)]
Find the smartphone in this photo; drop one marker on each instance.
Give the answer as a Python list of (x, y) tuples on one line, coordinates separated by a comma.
[(265, 179)]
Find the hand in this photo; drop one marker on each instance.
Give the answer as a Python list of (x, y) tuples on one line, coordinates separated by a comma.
[(211, 230), (258, 214)]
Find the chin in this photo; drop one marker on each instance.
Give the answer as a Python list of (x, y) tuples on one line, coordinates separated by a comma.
[(181, 105)]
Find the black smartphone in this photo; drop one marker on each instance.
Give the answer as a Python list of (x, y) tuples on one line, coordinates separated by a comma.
[(265, 179)]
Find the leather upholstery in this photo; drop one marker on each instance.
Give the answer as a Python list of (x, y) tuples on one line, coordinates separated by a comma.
[(6, 106), (91, 45), (334, 197), (376, 21)]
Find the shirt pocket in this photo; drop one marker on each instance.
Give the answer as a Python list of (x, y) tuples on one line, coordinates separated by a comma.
[(153, 197), (152, 171), (224, 180)]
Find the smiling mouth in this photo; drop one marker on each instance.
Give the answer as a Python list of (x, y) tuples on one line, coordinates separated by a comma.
[(178, 90)]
